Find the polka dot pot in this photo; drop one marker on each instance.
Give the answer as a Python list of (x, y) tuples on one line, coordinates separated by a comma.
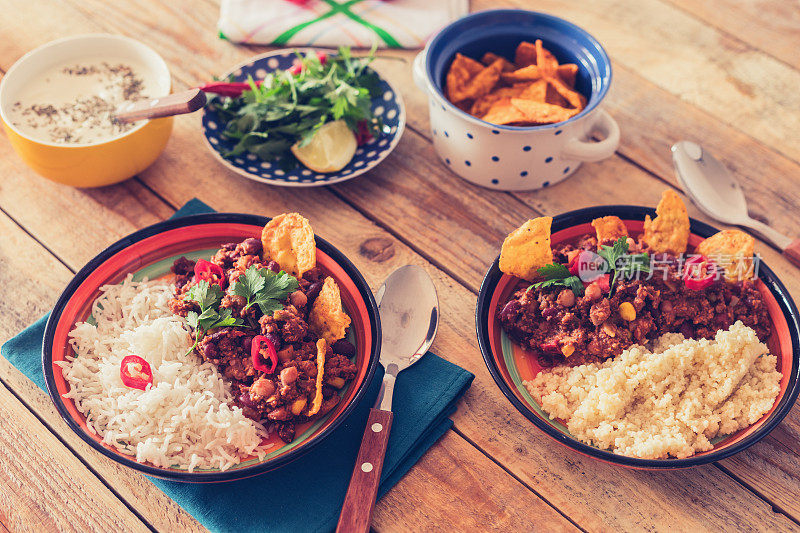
[(510, 157), (388, 106)]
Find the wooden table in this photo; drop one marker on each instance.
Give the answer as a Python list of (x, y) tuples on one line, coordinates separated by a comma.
[(722, 72)]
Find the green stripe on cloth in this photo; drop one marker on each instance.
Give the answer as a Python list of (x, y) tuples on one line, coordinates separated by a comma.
[(383, 34)]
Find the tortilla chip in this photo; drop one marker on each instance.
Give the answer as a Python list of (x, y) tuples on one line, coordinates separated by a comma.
[(461, 71), (483, 104), (542, 113), (525, 74), (481, 84), (327, 318), (527, 249), (545, 60), (732, 250), (322, 350), (609, 228), (489, 58), (575, 99), (289, 240), (502, 112), (525, 54), (669, 231), (552, 96), (568, 72)]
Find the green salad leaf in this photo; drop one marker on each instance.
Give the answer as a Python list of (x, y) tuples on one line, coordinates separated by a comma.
[(287, 107)]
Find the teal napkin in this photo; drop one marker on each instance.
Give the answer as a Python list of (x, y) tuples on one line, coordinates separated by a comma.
[(307, 494)]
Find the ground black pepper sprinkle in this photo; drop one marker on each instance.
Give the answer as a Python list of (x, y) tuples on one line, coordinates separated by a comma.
[(69, 122)]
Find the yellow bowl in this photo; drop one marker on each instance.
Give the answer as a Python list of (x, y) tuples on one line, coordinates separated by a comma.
[(93, 164)]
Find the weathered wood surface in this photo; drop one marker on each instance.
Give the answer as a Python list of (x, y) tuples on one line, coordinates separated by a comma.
[(496, 471)]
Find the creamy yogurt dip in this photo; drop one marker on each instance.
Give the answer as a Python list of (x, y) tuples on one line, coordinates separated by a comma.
[(74, 102)]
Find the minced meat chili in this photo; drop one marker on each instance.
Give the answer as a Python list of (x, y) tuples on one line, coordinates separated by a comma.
[(560, 328), (274, 397)]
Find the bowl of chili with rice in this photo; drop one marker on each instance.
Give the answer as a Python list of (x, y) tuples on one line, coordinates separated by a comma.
[(518, 345), (268, 355)]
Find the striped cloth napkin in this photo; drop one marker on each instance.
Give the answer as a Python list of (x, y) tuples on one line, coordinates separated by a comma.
[(356, 23)]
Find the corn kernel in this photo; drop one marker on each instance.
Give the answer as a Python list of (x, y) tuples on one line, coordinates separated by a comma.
[(336, 382), (298, 405), (567, 350), (626, 311)]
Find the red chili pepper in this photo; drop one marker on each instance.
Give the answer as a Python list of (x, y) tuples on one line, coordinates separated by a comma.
[(297, 65), (135, 372), (208, 271), (699, 272), (363, 135), (255, 354)]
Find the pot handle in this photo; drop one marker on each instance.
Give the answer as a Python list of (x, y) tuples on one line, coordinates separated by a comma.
[(595, 151), (418, 70)]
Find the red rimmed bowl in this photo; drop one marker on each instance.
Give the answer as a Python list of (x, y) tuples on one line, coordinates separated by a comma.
[(510, 365), (150, 253)]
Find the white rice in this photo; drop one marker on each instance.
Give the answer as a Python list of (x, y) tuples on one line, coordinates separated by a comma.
[(183, 419)]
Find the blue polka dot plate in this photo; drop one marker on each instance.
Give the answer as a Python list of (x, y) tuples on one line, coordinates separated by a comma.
[(388, 107)]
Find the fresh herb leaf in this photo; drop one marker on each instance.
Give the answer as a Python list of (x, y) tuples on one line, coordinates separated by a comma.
[(623, 264), (558, 275), (265, 288), (211, 316), (554, 271)]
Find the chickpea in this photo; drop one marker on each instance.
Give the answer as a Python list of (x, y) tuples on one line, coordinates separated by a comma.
[(298, 299), (626, 311), (593, 291), (566, 298)]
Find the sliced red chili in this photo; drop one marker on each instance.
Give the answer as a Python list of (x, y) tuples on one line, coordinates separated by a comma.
[(363, 135), (135, 372), (297, 65), (258, 361), (208, 271), (699, 272)]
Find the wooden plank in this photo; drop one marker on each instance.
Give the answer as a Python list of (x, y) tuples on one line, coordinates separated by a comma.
[(44, 487), (769, 26), (454, 467), (484, 396), (34, 291), (714, 71)]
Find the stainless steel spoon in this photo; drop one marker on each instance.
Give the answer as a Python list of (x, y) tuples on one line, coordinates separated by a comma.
[(717, 194), (409, 310)]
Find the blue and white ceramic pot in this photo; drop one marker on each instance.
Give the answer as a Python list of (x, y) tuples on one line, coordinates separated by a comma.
[(517, 158)]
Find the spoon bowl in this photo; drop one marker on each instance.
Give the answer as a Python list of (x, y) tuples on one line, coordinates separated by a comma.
[(717, 193)]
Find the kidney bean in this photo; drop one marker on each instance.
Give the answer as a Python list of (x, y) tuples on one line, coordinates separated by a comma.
[(313, 291), (251, 246), (510, 310), (274, 266), (687, 330), (274, 339), (344, 347), (244, 399)]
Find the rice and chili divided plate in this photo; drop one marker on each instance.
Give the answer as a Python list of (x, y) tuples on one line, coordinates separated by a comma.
[(510, 365), (150, 253)]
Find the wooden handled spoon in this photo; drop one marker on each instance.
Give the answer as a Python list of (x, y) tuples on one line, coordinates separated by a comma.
[(409, 310), (718, 194)]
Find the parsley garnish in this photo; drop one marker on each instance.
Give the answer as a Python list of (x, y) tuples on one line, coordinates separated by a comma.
[(286, 108), (265, 288), (208, 297), (622, 263), (557, 275)]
